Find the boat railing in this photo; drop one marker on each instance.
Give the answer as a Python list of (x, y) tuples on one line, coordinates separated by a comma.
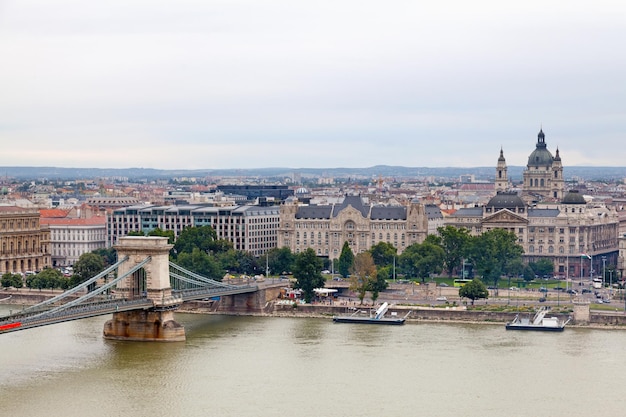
[(540, 315)]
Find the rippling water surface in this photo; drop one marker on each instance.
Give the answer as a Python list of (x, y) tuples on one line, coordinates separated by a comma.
[(252, 366)]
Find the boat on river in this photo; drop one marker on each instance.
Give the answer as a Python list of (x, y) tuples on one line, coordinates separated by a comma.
[(377, 318), (539, 322)]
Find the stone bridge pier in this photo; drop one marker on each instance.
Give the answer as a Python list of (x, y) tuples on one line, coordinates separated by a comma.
[(152, 281), (254, 302)]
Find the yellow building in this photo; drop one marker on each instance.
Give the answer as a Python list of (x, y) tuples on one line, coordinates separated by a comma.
[(325, 228), (24, 245)]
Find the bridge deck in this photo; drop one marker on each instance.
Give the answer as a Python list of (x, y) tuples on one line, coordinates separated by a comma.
[(23, 321)]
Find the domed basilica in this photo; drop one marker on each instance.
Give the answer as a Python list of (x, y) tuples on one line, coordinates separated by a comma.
[(548, 222)]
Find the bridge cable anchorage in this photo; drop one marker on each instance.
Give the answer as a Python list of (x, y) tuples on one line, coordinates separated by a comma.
[(77, 288), (98, 291)]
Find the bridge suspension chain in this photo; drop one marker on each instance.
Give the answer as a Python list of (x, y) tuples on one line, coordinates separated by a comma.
[(77, 288), (98, 291)]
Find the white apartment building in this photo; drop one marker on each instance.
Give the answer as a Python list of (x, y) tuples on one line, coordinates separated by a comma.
[(71, 237), (250, 228)]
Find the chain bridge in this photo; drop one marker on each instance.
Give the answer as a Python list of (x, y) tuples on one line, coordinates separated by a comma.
[(141, 290)]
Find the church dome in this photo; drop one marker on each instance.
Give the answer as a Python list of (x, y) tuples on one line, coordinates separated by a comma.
[(506, 200), (541, 156), (574, 197)]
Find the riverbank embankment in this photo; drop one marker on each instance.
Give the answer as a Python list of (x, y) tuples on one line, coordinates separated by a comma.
[(413, 313)]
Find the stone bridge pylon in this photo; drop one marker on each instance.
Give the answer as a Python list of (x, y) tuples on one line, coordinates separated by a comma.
[(152, 281)]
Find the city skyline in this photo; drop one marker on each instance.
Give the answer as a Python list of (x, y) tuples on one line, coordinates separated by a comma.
[(219, 85)]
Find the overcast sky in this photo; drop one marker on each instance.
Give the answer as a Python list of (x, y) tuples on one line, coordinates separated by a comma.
[(325, 83)]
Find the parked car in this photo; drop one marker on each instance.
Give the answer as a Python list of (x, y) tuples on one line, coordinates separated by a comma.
[(443, 284), (441, 299), (542, 299)]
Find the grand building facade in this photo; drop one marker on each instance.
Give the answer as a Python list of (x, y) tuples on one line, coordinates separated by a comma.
[(578, 237), (561, 232), (24, 244), (325, 228)]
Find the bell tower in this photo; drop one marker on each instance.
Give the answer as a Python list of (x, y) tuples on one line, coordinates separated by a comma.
[(502, 180)]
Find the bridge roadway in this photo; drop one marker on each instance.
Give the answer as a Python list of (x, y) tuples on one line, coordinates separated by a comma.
[(23, 321)]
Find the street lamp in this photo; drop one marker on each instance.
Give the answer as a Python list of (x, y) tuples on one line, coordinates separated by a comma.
[(603, 271)]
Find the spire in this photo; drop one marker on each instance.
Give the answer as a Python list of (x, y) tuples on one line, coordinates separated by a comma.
[(501, 158), (557, 157), (541, 139)]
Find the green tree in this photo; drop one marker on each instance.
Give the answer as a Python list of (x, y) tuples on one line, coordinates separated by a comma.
[(307, 270), (135, 233), (383, 254), (237, 261), (52, 278), (362, 274), (169, 234), (201, 263), (109, 256), (455, 243), (195, 237), (543, 267), (515, 267), (247, 263), (377, 285), (346, 259), (34, 281), (422, 259), (492, 251), (221, 246), (87, 266), (11, 280), (474, 290), (280, 260), (529, 274)]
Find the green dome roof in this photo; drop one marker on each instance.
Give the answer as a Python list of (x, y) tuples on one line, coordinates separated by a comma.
[(506, 199), (574, 197), (541, 156)]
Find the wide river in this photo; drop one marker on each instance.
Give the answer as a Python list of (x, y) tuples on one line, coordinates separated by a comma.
[(259, 366)]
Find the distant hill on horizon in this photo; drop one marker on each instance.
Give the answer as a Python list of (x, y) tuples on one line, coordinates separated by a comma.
[(386, 171)]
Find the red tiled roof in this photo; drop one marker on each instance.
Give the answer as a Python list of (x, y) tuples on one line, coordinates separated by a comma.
[(53, 213), (448, 211)]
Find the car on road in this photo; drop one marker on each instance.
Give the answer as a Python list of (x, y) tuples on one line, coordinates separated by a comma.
[(441, 299), (542, 300), (443, 284)]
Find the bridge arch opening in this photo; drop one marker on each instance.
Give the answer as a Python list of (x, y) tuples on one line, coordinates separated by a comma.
[(138, 282)]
